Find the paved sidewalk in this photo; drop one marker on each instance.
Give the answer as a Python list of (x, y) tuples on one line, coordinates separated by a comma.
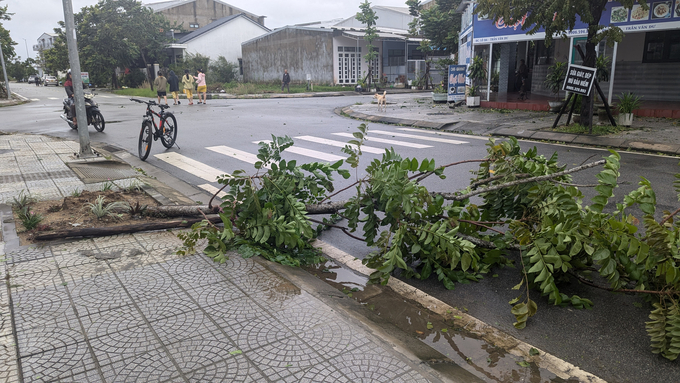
[(649, 134), (127, 308)]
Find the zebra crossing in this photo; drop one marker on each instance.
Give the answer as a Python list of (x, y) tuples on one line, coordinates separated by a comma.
[(400, 137)]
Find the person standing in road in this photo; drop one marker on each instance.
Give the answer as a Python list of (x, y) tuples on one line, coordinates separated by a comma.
[(202, 87), (161, 84), (285, 83), (173, 80), (188, 84)]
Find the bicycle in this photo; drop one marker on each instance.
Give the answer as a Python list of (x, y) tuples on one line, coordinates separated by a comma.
[(166, 131)]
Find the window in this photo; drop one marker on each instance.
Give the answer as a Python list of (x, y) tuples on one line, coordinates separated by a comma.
[(395, 57), (240, 67), (662, 47), (193, 25)]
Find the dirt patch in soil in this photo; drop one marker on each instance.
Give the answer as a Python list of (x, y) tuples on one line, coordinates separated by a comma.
[(74, 212)]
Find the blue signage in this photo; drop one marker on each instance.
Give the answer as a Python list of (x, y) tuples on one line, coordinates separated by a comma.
[(457, 74), (661, 15)]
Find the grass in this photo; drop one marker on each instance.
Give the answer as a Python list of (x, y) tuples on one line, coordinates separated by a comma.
[(598, 130), (238, 88), (23, 200)]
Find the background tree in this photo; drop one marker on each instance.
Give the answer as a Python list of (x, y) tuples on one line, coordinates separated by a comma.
[(368, 17), (19, 70), (56, 58), (221, 71), (439, 25), (115, 34), (5, 40), (557, 17)]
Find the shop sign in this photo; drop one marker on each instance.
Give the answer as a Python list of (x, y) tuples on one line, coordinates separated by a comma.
[(661, 15), (457, 74), (579, 79)]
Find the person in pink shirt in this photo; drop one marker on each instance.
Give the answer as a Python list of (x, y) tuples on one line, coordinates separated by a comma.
[(202, 88)]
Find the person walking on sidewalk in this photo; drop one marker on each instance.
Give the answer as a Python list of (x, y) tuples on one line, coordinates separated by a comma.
[(286, 81), (188, 84), (202, 87), (161, 84), (173, 80)]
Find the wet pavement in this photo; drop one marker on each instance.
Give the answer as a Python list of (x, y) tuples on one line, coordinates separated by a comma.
[(127, 308)]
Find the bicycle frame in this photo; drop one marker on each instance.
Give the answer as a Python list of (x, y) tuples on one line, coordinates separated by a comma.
[(149, 116)]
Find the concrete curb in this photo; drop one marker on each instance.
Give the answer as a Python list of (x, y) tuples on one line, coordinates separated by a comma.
[(487, 332), (528, 134)]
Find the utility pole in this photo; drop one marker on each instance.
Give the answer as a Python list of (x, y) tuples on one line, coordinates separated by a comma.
[(4, 72), (79, 95)]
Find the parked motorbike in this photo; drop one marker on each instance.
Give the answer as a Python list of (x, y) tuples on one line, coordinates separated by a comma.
[(94, 116)]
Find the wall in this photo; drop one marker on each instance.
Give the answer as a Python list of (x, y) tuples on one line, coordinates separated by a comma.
[(301, 51), (204, 12), (225, 40)]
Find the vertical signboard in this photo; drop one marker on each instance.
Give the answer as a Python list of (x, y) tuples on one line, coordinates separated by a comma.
[(456, 91), (579, 79)]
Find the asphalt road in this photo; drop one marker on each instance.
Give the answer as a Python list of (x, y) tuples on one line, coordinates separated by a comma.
[(608, 340)]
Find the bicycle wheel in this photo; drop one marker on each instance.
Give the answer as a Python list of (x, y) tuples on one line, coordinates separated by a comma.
[(98, 121), (145, 140), (169, 134)]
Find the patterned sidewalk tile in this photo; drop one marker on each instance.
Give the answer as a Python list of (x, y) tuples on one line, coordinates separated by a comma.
[(212, 360), (154, 365), (229, 369), (187, 326), (214, 294), (255, 333), (35, 274), (124, 344), (98, 294), (166, 304), (145, 283), (285, 357), (40, 307), (371, 363), (8, 362), (59, 363), (112, 321), (193, 272), (47, 337), (28, 254)]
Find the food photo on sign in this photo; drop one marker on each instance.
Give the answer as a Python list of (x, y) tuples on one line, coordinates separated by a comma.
[(618, 15), (677, 9), (662, 10), (638, 13)]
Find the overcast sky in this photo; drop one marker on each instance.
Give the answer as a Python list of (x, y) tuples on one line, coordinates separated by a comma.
[(32, 18)]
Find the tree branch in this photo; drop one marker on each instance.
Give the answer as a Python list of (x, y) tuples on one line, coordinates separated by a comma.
[(422, 175), (344, 229), (669, 217), (457, 197)]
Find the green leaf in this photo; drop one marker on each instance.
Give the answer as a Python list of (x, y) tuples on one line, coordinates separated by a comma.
[(429, 326), (523, 363), (533, 352), (236, 352)]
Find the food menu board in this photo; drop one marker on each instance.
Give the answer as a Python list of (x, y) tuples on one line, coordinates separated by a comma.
[(659, 15)]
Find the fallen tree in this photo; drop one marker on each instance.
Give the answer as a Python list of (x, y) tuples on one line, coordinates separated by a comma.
[(528, 204)]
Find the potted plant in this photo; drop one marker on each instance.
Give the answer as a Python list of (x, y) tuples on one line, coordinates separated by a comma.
[(554, 81), (628, 102), (476, 73), (439, 93)]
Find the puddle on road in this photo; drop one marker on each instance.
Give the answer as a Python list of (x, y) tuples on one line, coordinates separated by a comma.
[(484, 360)]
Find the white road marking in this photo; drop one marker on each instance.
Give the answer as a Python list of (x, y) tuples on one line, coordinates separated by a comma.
[(435, 139), (212, 190), (466, 136), (235, 153), (52, 98), (35, 99), (384, 141), (310, 153), (194, 167), (340, 144)]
